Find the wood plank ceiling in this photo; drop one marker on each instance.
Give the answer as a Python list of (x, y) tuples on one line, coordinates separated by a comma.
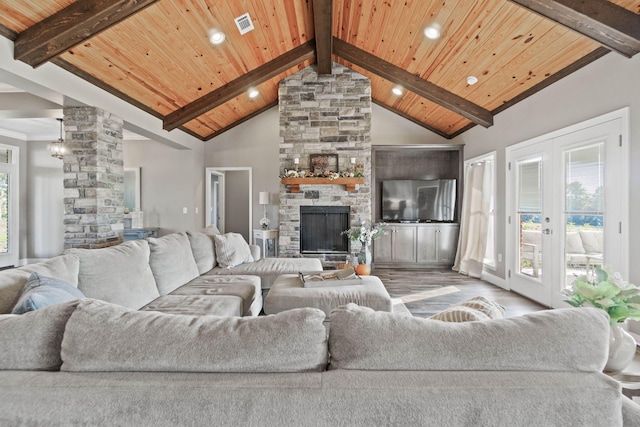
[(156, 54)]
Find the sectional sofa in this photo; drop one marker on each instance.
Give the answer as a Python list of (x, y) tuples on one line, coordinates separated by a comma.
[(182, 273), (88, 362)]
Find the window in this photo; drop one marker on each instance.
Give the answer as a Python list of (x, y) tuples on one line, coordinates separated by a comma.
[(9, 207)]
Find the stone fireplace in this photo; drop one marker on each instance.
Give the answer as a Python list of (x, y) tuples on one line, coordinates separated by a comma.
[(323, 114), (321, 229)]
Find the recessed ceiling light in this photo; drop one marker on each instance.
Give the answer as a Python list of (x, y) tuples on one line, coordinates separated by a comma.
[(471, 80), (216, 36), (253, 92), (432, 32), (397, 90)]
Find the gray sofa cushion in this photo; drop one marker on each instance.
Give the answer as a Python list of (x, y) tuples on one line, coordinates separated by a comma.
[(270, 268), (197, 305), (64, 267), (203, 251), (104, 337), (245, 287), (117, 274), (43, 291), (31, 341), (171, 261), (332, 398), (574, 339)]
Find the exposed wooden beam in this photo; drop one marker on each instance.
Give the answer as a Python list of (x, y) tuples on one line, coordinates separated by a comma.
[(242, 120), (607, 23), (410, 118), (6, 32), (238, 86), (414, 83), (323, 23), (70, 26)]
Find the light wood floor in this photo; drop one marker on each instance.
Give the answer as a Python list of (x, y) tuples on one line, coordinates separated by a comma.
[(426, 292)]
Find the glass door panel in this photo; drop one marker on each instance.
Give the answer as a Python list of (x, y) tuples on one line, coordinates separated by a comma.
[(529, 217), (584, 210)]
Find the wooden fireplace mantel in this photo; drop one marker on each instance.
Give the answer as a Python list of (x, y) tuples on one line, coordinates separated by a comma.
[(295, 183)]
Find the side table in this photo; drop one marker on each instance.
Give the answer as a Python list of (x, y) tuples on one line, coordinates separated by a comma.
[(629, 378), (265, 235)]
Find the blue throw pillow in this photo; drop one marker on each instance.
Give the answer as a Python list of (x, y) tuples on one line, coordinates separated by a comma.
[(42, 291)]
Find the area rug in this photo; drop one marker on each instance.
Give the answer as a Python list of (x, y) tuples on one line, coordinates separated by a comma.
[(399, 307), (429, 294)]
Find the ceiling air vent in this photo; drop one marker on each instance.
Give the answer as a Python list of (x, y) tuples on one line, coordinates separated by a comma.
[(244, 23)]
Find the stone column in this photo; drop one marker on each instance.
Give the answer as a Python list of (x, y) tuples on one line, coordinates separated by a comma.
[(93, 178)]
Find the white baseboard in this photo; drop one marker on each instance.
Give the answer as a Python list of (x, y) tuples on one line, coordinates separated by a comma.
[(494, 280)]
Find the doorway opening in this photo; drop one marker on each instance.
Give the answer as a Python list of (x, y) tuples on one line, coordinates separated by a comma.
[(228, 201)]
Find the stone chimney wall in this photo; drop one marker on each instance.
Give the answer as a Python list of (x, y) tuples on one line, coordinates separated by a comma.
[(323, 114)]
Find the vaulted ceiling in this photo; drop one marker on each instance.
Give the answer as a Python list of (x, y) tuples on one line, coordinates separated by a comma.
[(156, 54)]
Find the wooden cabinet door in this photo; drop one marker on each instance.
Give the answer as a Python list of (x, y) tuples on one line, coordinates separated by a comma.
[(404, 244), (427, 244), (383, 247), (447, 244)]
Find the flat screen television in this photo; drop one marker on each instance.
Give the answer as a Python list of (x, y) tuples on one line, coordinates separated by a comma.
[(419, 200)]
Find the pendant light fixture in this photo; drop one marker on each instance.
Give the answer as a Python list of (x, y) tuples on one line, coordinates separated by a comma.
[(57, 148)]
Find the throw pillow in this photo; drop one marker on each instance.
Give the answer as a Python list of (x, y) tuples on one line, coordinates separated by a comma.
[(32, 340), (13, 280), (232, 250), (460, 314), (211, 230), (42, 291), (471, 310), (105, 337)]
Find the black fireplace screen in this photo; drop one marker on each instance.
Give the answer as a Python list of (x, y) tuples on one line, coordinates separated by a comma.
[(321, 228)]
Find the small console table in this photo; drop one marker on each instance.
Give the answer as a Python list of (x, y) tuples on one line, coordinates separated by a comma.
[(140, 233), (264, 236)]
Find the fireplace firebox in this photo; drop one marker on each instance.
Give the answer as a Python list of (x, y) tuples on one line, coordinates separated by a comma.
[(321, 229)]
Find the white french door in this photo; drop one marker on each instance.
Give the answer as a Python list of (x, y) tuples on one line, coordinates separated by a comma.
[(567, 204)]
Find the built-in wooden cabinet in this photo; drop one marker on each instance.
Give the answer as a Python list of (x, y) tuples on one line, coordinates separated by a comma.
[(413, 245), (398, 244), (437, 244), (416, 245)]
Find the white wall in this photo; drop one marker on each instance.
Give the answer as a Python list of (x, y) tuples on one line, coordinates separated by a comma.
[(388, 128), (45, 193), (605, 85), (170, 180), (254, 144)]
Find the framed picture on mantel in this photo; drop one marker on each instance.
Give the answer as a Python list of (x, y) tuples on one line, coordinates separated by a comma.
[(321, 163)]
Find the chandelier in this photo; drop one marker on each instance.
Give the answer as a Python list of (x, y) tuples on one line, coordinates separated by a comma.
[(57, 147)]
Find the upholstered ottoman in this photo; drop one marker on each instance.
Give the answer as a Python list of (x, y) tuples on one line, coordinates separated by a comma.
[(287, 292)]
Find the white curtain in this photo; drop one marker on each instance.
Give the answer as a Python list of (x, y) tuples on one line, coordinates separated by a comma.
[(474, 222)]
